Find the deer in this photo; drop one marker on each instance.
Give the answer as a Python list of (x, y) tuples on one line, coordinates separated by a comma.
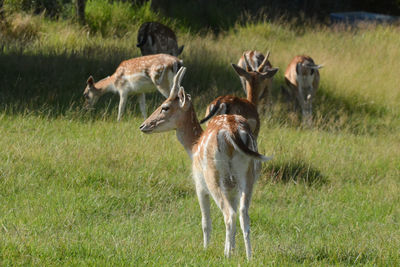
[(255, 82), (135, 76), (225, 160), (156, 38), (255, 61), (302, 79)]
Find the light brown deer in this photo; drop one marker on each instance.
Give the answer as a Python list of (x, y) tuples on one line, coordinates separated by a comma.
[(156, 38), (255, 61), (302, 78), (255, 82), (225, 161), (135, 76)]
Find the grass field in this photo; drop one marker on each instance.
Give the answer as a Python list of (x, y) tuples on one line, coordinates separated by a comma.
[(78, 188)]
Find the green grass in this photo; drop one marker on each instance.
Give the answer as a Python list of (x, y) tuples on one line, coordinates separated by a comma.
[(78, 188)]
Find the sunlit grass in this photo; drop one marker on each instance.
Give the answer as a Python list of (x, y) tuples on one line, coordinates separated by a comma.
[(78, 188)]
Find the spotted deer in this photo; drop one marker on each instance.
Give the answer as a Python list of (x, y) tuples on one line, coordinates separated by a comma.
[(255, 82), (225, 161), (135, 76), (302, 79), (156, 38)]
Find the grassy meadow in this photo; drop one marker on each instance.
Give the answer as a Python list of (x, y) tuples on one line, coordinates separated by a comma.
[(78, 188)]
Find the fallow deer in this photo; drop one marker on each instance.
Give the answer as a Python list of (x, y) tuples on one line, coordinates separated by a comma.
[(255, 82), (156, 38), (225, 161), (255, 61), (135, 76), (302, 78)]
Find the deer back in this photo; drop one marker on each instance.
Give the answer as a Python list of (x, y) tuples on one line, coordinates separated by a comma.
[(156, 38)]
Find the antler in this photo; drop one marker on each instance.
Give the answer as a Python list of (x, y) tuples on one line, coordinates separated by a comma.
[(263, 63), (248, 66)]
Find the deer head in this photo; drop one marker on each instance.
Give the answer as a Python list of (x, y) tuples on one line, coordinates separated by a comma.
[(256, 80), (170, 115), (91, 93)]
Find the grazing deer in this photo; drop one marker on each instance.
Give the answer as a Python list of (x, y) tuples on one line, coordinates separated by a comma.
[(225, 161), (255, 61), (302, 78), (135, 76), (255, 82), (156, 38)]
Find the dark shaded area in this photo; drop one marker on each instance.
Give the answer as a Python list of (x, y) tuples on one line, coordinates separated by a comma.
[(80, 10), (223, 14), (52, 8), (296, 171), (51, 81), (54, 83)]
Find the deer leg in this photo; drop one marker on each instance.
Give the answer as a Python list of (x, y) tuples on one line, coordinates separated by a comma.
[(245, 221), (142, 104), (122, 102), (230, 225), (204, 201), (245, 199), (230, 196)]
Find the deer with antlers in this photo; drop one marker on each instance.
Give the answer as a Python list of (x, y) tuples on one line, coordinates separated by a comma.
[(302, 78), (257, 62), (135, 76), (225, 161), (256, 84)]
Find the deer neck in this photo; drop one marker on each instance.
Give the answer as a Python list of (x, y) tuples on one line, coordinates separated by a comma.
[(189, 131), (106, 85), (251, 94)]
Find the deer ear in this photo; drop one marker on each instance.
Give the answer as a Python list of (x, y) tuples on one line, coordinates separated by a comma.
[(183, 98), (298, 67), (90, 81), (241, 72)]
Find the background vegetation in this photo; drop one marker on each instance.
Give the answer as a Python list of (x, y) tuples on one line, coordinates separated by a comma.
[(78, 188)]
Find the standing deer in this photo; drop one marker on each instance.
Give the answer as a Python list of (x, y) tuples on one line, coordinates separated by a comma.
[(255, 61), (135, 76), (255, 82), (156, 38), (225, 161), (302, 78)]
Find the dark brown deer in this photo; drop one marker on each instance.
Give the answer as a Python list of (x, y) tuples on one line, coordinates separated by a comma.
[(156, 38)]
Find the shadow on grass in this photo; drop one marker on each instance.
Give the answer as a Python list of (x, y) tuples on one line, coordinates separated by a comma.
[(53, 83), (297, 172)]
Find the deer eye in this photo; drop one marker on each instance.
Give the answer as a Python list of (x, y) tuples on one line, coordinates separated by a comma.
[(164, 109)]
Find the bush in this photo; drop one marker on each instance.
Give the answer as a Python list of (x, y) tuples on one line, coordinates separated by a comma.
[(116, 18), (53, 8), (22, 27)]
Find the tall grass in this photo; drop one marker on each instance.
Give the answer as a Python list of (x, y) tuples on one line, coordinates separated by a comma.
[(77, 188)]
